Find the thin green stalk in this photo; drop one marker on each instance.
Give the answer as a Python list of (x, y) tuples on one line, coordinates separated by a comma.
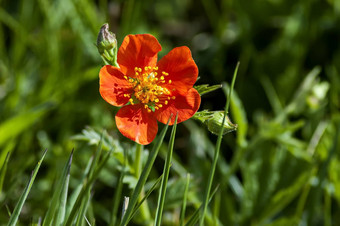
[(144, 209), (56, 200), (117, 196), (3, 171), (138, 160), (143, 177), (146, 196), (194, 218), (166, 171), (184, 204), (86, 186), (217, 150)]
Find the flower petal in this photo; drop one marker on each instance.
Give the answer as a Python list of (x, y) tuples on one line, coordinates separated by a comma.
[(137, 51), (186, 106), (136, 124), (181, 67), (113, 86)]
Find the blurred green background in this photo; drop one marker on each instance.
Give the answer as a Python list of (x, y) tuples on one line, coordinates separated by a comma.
[(281, 167)]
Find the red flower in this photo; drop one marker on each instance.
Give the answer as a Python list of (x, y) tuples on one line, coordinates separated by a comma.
[(149, 90)]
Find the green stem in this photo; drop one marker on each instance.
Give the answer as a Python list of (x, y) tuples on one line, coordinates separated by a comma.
[(144, 209), (143, 177), (166, 171), (217, 151), (184, 204), (138, 160)]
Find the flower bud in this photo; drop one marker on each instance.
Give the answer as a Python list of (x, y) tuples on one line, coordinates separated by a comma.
[(213, 120), (214, 123), (107, 45)]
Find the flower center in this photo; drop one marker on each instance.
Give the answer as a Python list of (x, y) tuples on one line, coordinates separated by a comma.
[(148, 89)]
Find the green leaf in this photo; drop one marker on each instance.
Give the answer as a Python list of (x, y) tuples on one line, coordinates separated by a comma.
[(283, 197), (205, 88), (17, 124), (15, 215)]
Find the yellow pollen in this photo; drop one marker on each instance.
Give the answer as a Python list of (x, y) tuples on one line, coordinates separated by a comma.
[(173, 97), (169, 81), (148, 89)]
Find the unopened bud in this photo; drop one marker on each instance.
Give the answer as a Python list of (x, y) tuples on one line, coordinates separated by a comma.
[(213, 120), (107, 45), (214, 124)]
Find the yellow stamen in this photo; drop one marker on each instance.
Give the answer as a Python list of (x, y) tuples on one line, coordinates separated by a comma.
[(170, 81), (148, 89)]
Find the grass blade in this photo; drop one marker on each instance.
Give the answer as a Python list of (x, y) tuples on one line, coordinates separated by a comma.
[(144, 176), (166, 171), (3, 171), (77, 190), (217, 151), (194, 218), (146, 196), (184, 204), (56, 198), (86, 187), (118, 194), (15, 215), (83, 207)]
